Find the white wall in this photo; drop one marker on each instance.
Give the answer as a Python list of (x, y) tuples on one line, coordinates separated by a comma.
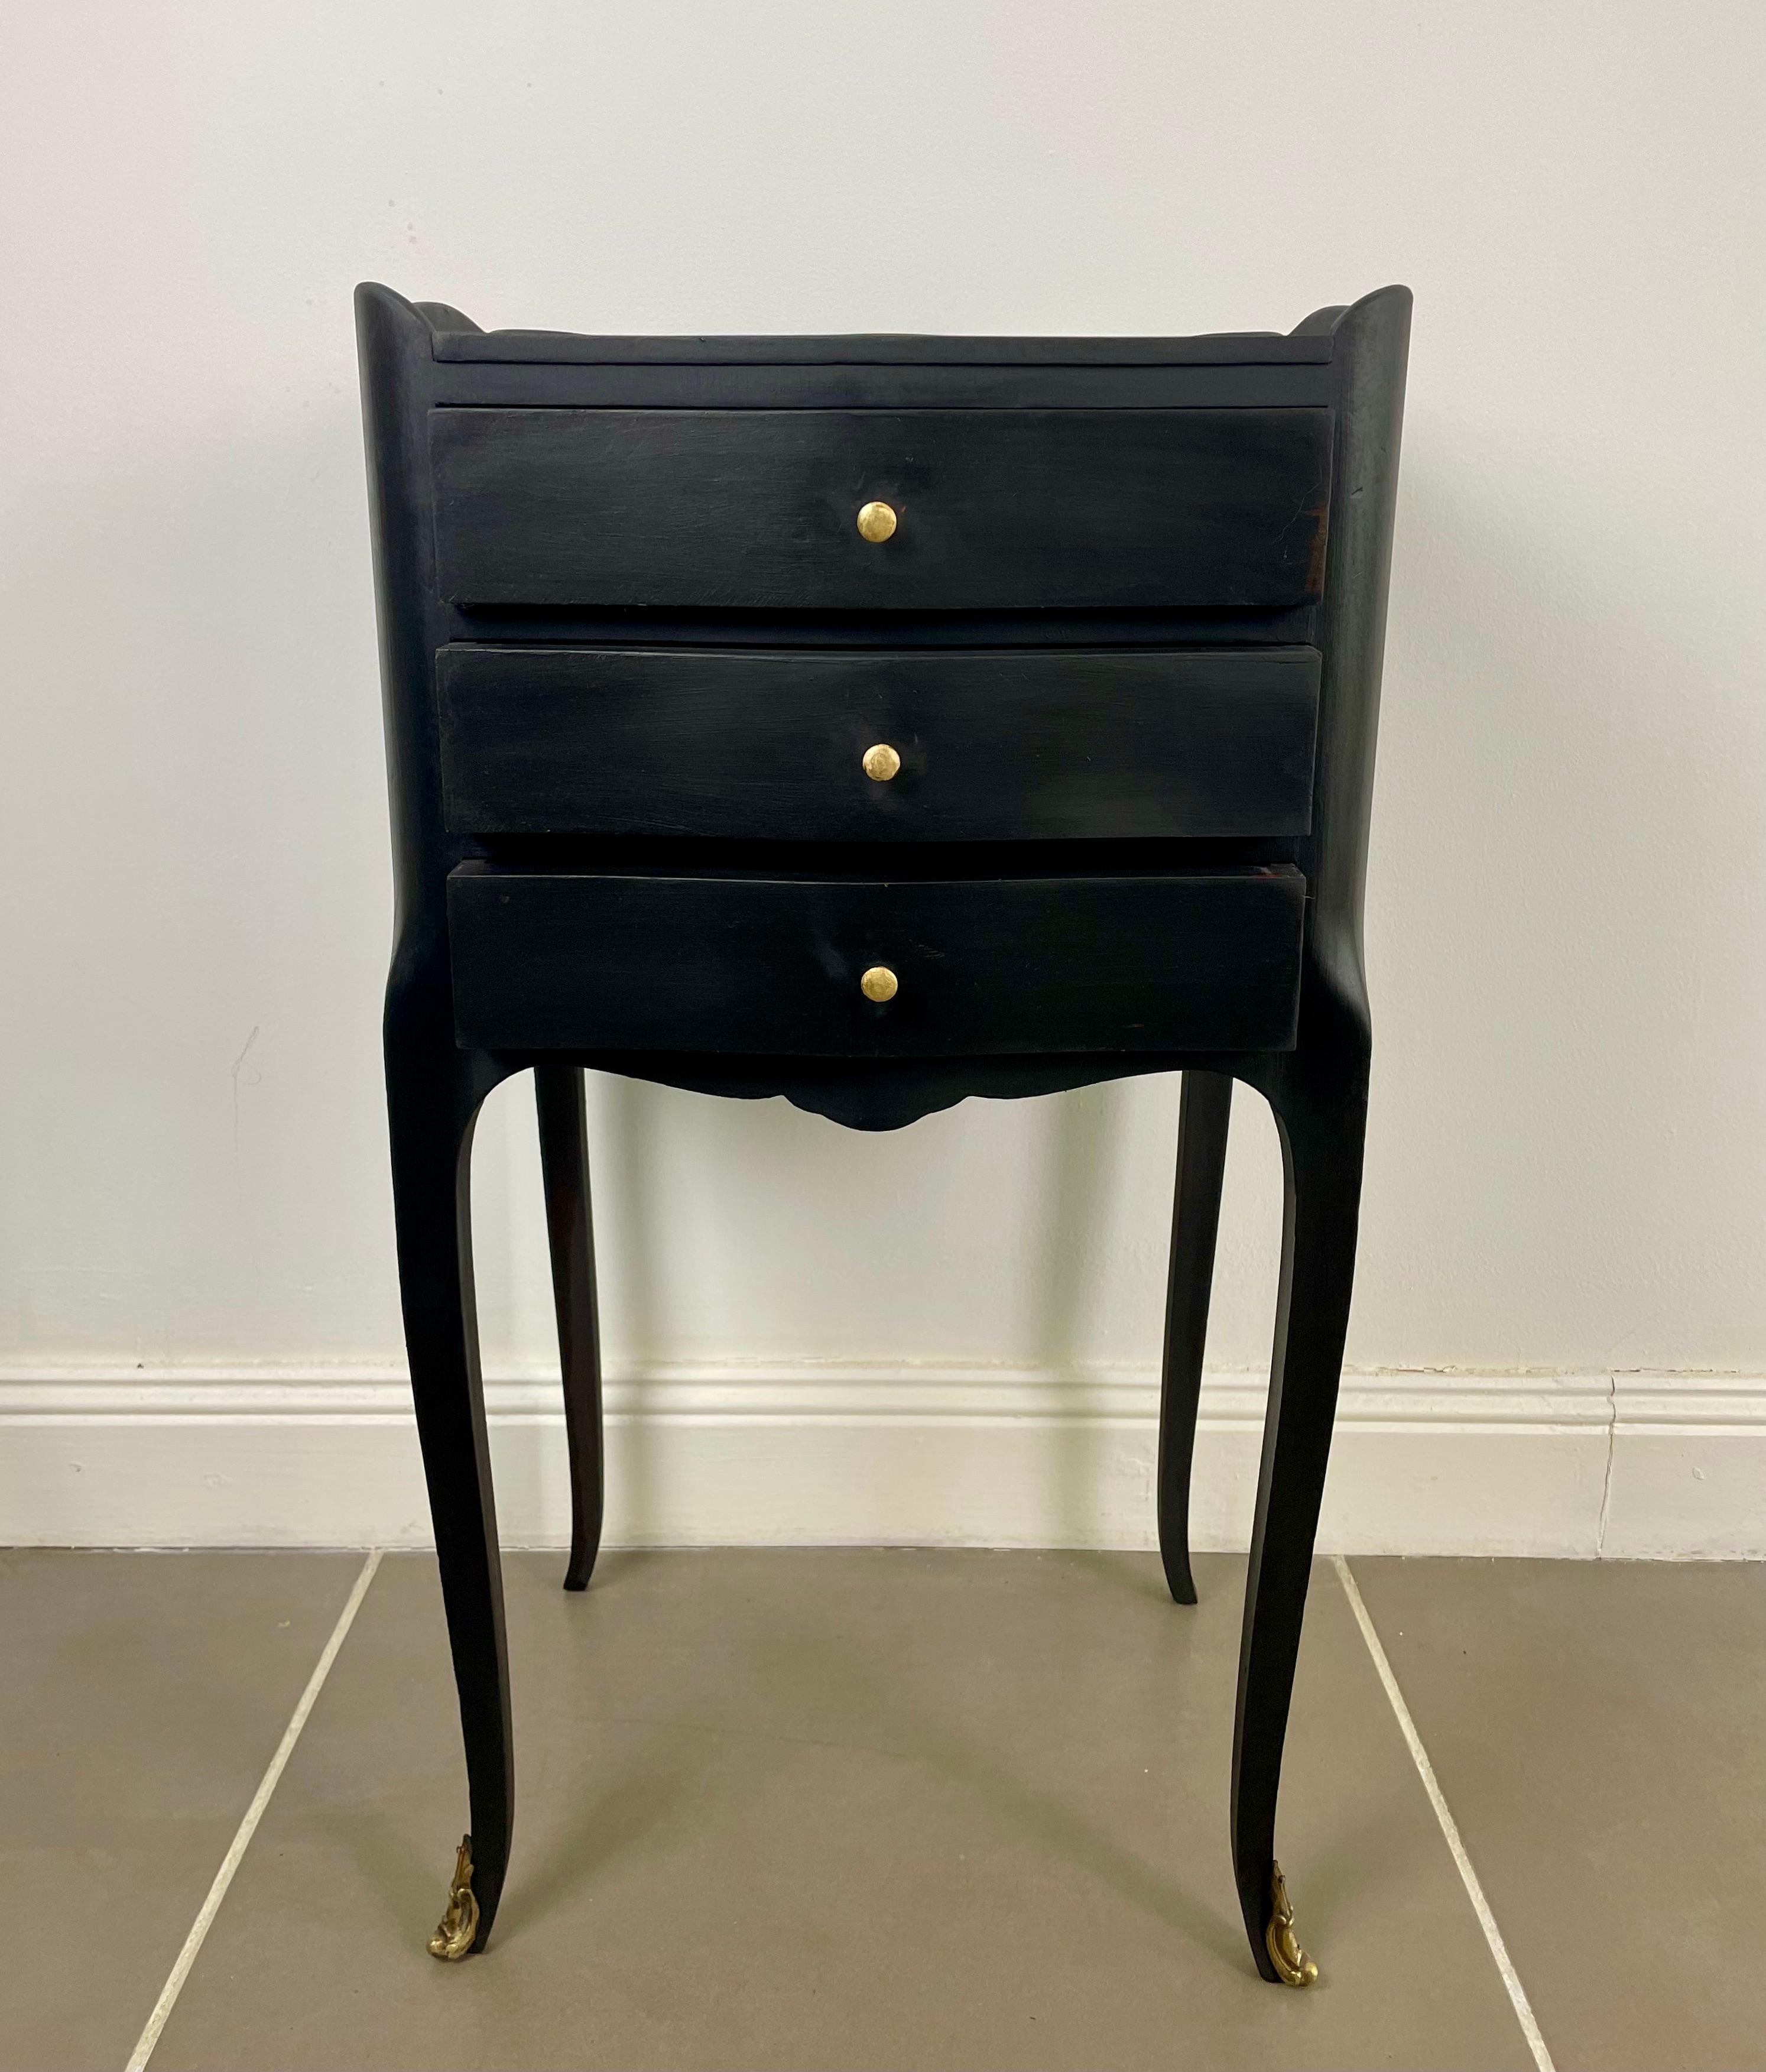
[(1569, 1126)]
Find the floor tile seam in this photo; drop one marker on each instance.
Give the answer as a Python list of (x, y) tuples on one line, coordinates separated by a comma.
[(1449, 1827), (148, 2041)]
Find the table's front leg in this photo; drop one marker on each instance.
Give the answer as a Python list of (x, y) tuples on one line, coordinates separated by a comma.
[(433, 1092), (1320, 1096)]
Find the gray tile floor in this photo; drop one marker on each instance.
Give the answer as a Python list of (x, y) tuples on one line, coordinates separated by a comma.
[(881, 1809)]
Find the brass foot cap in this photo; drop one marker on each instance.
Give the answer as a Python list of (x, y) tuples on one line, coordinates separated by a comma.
[(454, 1939), (1293, 1967)]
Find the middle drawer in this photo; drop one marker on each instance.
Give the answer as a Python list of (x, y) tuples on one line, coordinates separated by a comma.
[(975, 746)]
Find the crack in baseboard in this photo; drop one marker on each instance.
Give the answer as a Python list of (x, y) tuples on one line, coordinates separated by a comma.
[(1606, 1482)]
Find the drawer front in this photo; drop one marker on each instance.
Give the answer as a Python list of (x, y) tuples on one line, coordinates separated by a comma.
[(994, 510), (979, 746), (778, 967)]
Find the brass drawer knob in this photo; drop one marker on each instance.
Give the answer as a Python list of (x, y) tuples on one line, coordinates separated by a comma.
[(877, 523), (881, 762), (879, 983)]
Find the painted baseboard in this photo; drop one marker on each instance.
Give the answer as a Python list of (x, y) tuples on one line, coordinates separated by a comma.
[(1436, 1463)]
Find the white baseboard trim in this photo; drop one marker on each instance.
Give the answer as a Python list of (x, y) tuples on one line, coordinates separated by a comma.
[(1618, 1465)]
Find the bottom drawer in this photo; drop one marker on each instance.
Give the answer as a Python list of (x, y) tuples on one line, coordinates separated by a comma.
[(790, 967)]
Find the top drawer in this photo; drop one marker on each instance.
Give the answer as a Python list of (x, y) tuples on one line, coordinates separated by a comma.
[(994, 510)]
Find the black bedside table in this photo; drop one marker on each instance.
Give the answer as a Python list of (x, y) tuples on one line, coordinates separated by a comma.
[(879, 721)]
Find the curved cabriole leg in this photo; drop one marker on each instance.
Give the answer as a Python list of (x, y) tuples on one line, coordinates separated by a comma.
[(1320, 1110), (432, 1095), (564, 1160), (1202, 1118)]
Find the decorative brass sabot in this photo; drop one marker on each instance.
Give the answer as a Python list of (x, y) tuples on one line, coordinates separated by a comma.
[(454, 1939), (1293, 1967)]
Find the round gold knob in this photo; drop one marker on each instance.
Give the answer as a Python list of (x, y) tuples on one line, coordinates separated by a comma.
[(879, 983), (877, 523), (881, 762)]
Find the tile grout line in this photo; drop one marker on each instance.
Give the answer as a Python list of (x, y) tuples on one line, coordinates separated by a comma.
[(248, 1826), (1499, 1950)]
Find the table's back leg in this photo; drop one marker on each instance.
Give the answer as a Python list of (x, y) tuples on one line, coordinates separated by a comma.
[(1321, 1108), (564, 1159), (1203, 1114), (433, 1096)]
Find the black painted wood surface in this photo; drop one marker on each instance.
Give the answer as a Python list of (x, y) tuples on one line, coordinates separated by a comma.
[(563, 1165), (770, 744), (841, 385), (998, 509), (586, 961), (1205, 1110), (457, 338), (1155, 504)]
